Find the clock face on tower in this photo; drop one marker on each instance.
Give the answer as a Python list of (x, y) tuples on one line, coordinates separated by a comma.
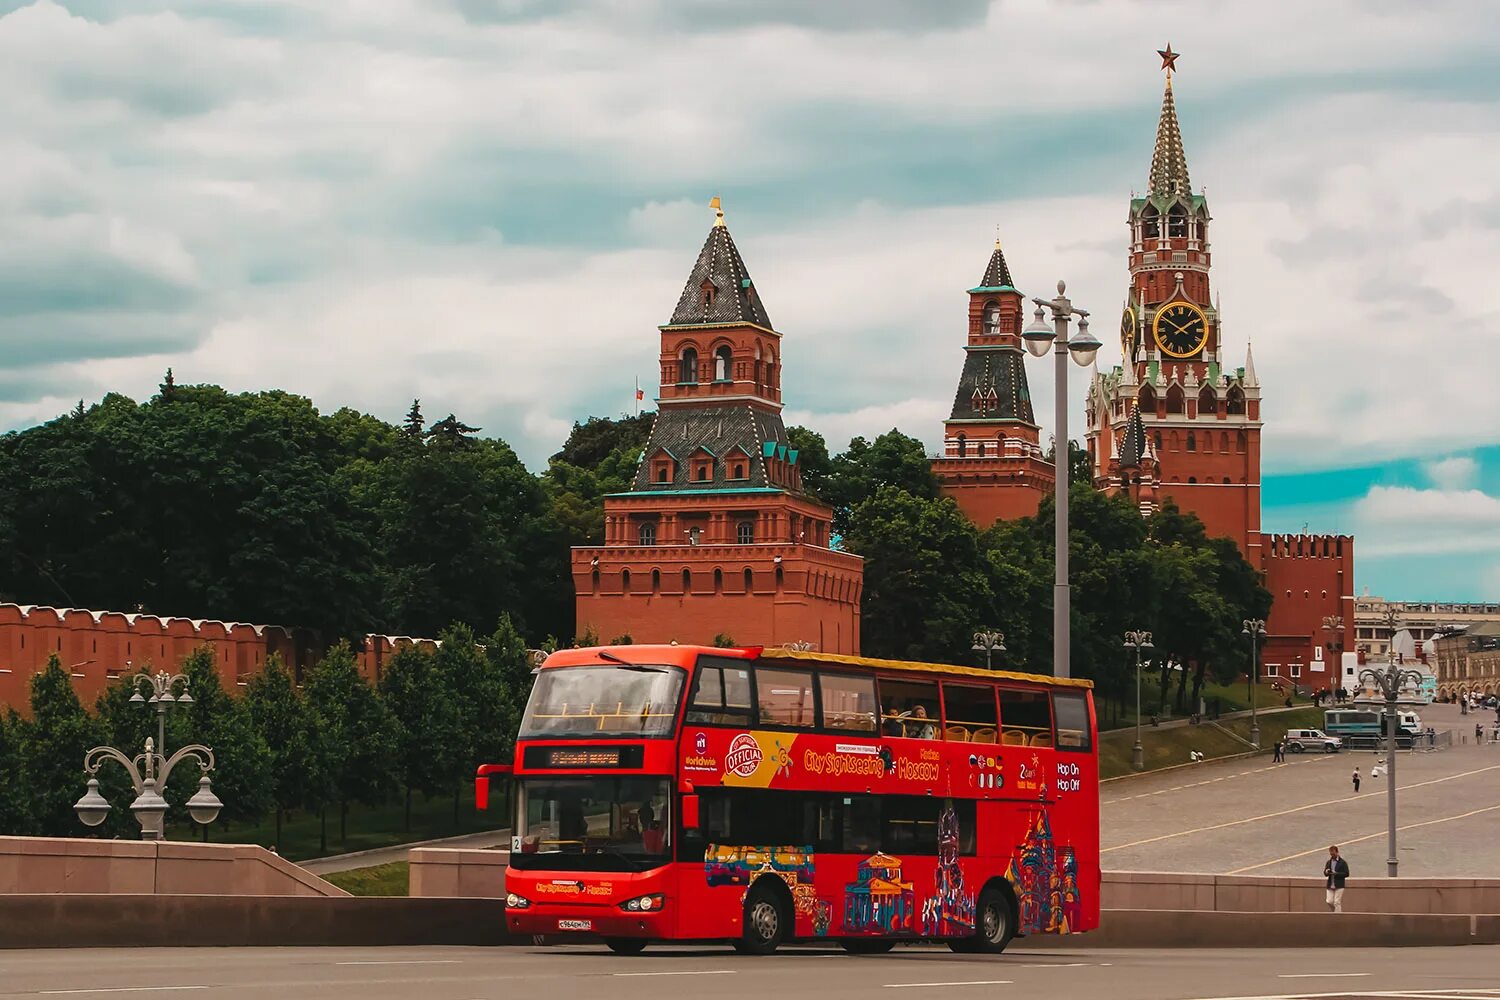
[(1181, 329), (1127, 333)]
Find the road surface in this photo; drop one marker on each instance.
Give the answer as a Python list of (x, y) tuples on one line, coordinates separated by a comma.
[(592, 973)]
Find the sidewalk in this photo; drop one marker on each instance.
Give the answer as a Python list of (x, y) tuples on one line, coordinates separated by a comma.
[(388, 855)]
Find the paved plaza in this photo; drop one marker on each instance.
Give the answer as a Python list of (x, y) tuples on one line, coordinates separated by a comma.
[(1252, 817), (583, 973)]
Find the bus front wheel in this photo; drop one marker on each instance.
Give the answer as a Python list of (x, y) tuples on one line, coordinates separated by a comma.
[(767, 921), (626, 946)]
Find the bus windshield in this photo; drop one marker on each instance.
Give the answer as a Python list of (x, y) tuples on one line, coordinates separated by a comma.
[(593, 824), (609, 700)]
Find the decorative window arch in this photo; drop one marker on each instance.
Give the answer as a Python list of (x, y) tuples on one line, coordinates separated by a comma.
[(745, 532), (1151, 219), (687, 367), (624, 581), (687, 580), (1236, 402), (749, 581), (646, 533), (981, 449), (718, 580), (1192, 479), (1158, 440), (1242, 443), (655, 580), (991, 323), (723, 357), (1175, 400), (1147, 399), (1224, 442), (1208, 400), (1192, 443), (963, 445), (1177, 221)]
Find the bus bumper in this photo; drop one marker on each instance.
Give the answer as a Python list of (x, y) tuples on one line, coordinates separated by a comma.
[(604, 922)]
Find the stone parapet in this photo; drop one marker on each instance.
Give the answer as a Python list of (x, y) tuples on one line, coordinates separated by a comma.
[(1271, 894), (455, 872)]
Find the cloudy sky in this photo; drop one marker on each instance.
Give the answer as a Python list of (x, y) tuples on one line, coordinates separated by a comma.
[(491, 204)]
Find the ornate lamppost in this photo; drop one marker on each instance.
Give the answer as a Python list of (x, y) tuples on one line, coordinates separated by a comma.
[(1138, 641), (989, 642), (149, 772), (1254, 628), (1334, 625), (1038, 336), (160, 686), (1391, 682), (800, 646)]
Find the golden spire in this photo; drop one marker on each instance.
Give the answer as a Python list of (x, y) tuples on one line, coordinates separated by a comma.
[(714, 204), (997, 236)]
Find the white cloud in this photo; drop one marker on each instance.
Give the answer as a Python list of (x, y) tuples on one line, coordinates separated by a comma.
[(1457, 472), (1404, 521)]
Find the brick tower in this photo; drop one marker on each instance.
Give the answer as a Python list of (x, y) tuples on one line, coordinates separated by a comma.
[(992, 460), (716, 535), (1171, 421)]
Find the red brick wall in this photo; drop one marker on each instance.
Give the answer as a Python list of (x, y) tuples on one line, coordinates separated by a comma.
[(994, 490), (1309, 577)]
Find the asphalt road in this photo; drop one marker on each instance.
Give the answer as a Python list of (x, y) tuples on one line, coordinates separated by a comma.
[(1463, 973), (1251, 817)]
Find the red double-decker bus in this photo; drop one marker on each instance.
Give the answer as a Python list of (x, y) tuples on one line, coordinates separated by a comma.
[(765, 795)]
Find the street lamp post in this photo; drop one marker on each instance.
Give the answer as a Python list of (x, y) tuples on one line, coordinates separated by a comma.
[(149, 772), (1038, 336), (1334, 625), (1254, 628), (1138, 641), (800, 645), (989, 641), (159, 686), (1391, 682)]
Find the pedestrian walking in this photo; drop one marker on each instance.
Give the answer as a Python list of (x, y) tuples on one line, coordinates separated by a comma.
[(1336, 872), (1478, 732), (1356, 781), (1278, 753)]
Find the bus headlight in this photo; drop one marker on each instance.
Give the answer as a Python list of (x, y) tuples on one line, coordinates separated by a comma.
[(644, 904), (516, 902)]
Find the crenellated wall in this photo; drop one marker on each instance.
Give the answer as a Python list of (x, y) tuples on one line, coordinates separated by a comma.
[(98, 646), (1310, 577)]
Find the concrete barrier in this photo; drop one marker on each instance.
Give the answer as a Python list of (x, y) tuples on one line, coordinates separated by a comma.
[(97, 921), (1269, 894), (442, 871), (32, 865), (1222, 929)]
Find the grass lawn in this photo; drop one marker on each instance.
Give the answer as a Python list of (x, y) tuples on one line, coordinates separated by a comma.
[(1165, 747), (1231, 697), (381, 880), (383, 826)]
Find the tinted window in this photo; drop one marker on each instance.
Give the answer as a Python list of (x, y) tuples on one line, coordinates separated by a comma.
[(910, 825), (1072, 721), (848, 702), (1025, 717), (786, 697), (969, 713), (721, 693), (910, 709)]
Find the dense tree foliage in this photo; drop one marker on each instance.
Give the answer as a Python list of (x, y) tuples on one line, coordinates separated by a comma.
[(282, 718)]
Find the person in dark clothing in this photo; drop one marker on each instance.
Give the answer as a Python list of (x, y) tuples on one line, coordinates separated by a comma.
[(1335, 873), (1356, 781)]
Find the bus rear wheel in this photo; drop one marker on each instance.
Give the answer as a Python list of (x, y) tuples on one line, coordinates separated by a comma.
[(994, 925), (626, 946), (866, 946), (767, 921)]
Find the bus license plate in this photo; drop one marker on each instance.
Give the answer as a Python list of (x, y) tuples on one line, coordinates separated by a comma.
[(575, 925)]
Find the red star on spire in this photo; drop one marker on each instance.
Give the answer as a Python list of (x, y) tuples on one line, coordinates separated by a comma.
[(1168, 58)]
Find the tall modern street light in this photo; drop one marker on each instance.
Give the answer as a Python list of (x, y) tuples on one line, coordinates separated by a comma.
[(1255, 628), (989, 641), (1391, 683), (149, 772), (1138, 641), (160, 686), (1038, 336)]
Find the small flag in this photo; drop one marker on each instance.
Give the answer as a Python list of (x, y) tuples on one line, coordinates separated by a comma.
[(640, 395)]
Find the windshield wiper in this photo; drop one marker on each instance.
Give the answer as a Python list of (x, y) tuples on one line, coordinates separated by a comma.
[(605, 654)]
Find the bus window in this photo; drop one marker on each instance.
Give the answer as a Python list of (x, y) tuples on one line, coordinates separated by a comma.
[(1025, 718), (910, 709), (1072, 711), (786, 697), (969, 713), (848, 702), (910, 825), (861, 833), (721, 693)]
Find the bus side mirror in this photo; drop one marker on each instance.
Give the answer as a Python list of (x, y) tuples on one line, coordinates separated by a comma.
[(690, 812), (482, 783)]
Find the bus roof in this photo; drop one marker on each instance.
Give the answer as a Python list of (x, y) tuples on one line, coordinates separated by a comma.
[(933, 668)]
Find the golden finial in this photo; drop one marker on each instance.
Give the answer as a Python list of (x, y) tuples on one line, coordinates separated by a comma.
[(714, 204), (997, 236)]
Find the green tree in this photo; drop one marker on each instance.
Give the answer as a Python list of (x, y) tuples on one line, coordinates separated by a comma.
[(355, 737), (283, 720), (597, 438), (478, 680), (413, 426), (15, 813), (243, 765), (53, 742), (1079, 469), (600, 457), (927, 584), (417, 695), (893, 459), (812, 458)]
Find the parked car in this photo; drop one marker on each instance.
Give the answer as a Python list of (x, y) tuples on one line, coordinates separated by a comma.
[(1312, 740)]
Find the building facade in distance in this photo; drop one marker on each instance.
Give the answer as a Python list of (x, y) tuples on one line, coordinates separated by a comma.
[(716, 536), (1468, 659)]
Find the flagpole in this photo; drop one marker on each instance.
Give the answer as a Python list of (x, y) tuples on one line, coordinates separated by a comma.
[(636, 397)]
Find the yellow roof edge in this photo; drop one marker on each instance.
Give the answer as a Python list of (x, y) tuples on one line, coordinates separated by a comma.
[(935, 668)]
